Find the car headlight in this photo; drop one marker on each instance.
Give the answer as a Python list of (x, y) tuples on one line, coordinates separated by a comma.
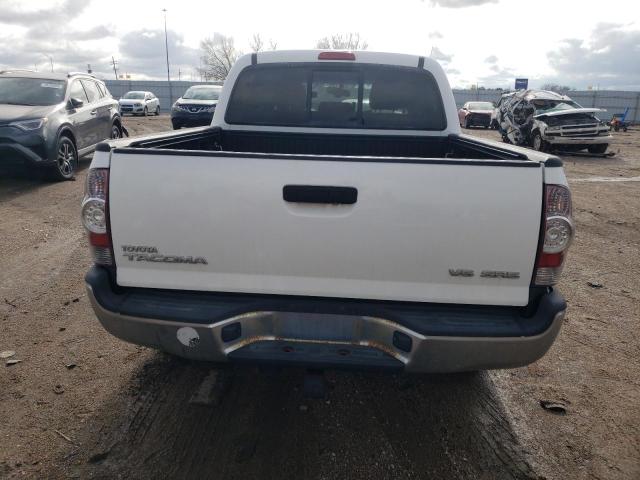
[(29, 125)]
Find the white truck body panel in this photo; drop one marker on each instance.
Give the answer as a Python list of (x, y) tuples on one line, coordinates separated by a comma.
[(311, 56), (411, 224)]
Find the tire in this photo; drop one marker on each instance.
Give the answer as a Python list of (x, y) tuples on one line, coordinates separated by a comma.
[(537, 143), (465, 124), (599, 148), (176, 126), (616, 127), (146, 112), (158, 110), (66, 160), (116, 131)]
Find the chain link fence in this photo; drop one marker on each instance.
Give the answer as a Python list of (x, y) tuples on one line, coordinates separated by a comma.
[(613, 101)]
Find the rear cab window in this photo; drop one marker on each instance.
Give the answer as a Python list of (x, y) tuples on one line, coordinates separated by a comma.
[(337, 96)]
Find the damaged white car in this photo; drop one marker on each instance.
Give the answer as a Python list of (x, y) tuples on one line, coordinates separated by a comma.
[(548, 121)]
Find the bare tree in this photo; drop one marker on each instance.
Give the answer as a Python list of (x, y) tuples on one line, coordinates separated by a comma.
[(342, 41), (556, 87), (258, 45), (218, 56), (255, 43)]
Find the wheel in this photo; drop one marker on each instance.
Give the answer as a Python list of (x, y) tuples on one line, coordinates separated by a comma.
[(599, 148), (537, 142), (624, 129), (465, 124), (176, 126), (146, 112), (157, 110), (66, 160), (116, 132), (616, 127)]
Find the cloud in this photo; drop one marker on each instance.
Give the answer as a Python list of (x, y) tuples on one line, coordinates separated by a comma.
[(143, 52), (452, 71), (501, 77), (95, 33), (435, 35), (439, 55), (491, 59), (43, 39), (13, 13), (610, 58), (460, 3)]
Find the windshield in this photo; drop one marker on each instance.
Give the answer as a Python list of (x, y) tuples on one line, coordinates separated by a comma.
[(554, 105), (134, 95), (31, 91), (202, 93), (481, 106)]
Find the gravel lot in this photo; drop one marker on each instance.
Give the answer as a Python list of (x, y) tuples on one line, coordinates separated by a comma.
[(82, 404)]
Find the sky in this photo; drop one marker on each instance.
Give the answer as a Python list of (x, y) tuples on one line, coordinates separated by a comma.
[(581, 44)]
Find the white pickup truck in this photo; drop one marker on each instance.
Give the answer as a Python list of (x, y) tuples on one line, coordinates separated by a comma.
[(332, 215)]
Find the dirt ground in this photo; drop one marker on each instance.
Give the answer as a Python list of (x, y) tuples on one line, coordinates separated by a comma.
[(82, 404)]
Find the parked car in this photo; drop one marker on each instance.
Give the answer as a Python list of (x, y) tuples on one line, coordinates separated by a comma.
[(302, 229), (48, 120), (473, 114), (138, 102), (195, 108), (547, 120)]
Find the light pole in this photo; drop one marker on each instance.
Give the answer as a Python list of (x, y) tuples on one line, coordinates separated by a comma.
[(166, 42), (166, 49)]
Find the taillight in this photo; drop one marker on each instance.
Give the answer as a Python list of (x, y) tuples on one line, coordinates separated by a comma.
[(557, 234), (95, 215)]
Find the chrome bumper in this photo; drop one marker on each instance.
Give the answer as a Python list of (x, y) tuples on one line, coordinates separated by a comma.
[(596, 140), (326, 339)]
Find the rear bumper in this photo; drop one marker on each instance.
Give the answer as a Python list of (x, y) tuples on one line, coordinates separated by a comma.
[(324, 332)]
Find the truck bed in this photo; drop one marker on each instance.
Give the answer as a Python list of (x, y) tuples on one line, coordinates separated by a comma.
[(405, 146)]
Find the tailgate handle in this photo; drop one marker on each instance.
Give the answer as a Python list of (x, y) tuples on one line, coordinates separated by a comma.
[(320, 194)]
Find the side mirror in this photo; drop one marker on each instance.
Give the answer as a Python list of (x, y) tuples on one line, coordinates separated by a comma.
[(75, 102)]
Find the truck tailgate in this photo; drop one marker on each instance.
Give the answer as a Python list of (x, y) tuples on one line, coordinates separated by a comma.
[(220, 222)]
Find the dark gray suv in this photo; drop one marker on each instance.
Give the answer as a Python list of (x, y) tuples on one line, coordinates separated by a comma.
[(48, 121), (196, 107)]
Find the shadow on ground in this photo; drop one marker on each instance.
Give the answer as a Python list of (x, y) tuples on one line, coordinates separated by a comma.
[(369, 426), (17, 180)]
